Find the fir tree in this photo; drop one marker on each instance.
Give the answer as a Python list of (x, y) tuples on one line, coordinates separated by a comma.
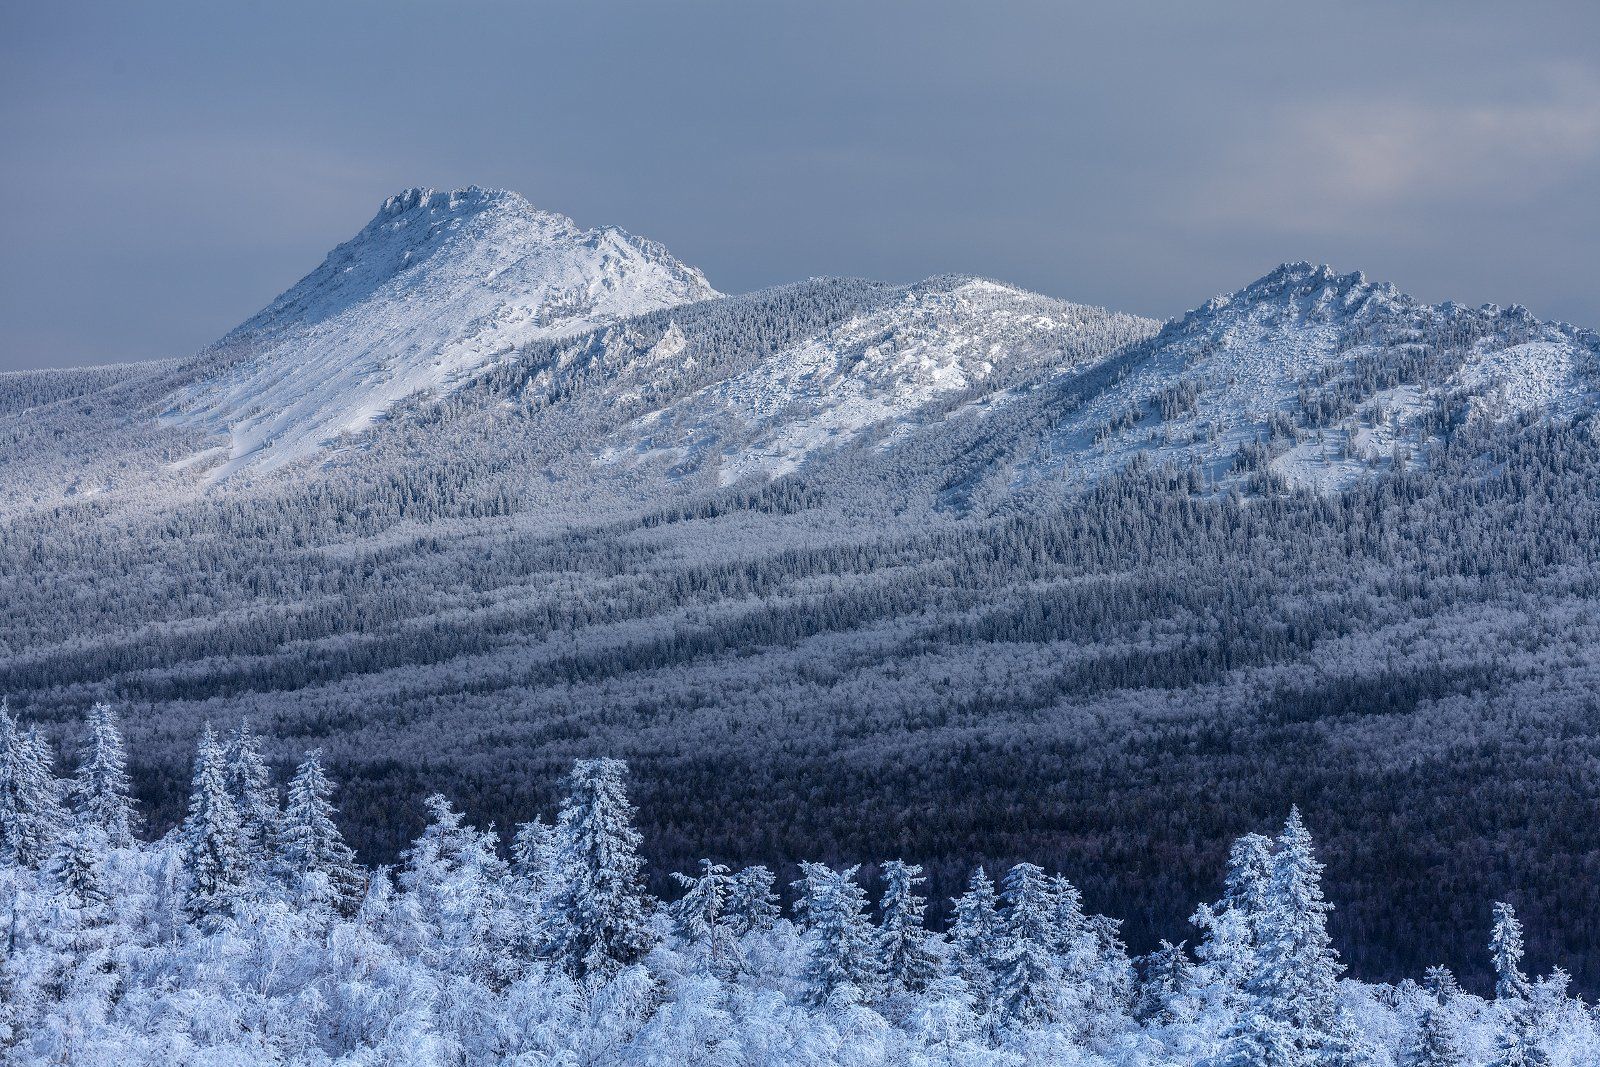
[(840, 966), (454, 888), (1436, 1043), (1028, 979), (254, 796), (533, 850), (1229, 928), (697, 915), (76, 869), (1167, 980), (102, 793), (32, 816), (905, 955), (309, 844), (1505, 946), (217, 867), (597, 913), (975, 936), (1291, 994), (1518, 1041), (752, 901)]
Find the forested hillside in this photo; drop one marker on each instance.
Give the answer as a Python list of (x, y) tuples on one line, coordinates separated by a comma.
[(846, 569), (251, 934)]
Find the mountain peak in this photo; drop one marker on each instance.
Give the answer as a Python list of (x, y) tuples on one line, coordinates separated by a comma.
[(435, 287)]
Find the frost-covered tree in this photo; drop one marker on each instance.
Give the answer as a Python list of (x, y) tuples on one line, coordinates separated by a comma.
[(1029, 983), (77, 868), (1519, 1040), (533, 851), (255, 798), (216, 864), (1229, 928), (32, 815), (975, 936), (454, 903), (596, 915), (698, 914), (1166, 987), (1291, 994), (311, 851), (102, 792), (906, 958), (1437, 1042), (841, 966), (752, 905), (1505, 947)]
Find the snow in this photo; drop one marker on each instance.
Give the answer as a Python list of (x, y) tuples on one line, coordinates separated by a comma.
[(884, 366), (437, 286)]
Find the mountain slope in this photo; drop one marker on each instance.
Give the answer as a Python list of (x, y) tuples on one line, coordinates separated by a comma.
[(434, 288), (881, 366)]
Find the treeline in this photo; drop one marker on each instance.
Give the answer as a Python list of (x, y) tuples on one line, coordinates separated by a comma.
[(249, 933)]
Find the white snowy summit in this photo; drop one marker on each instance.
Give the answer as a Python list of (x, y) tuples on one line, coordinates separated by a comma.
[(436, 286)]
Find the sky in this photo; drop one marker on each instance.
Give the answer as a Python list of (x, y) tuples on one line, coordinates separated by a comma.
[(173, 166)]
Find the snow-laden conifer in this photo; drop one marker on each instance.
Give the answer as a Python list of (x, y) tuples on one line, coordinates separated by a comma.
[(698, 914), (1291, 993), (311, 851), (906, 958), (596, 914), (32, 815), (752, 905), (1505, 948), (102, 792), (255, 798), (841, 967), (1229, 928), (1029, 983), (216, 864), (975, 937)]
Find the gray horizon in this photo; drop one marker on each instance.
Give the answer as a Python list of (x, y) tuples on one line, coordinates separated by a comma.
[(174, 167)]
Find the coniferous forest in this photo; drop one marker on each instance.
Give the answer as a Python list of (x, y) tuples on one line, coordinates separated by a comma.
[(250, 933)]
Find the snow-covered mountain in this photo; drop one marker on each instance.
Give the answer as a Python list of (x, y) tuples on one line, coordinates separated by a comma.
[(1308, 378), (434, 288), (884, 366)]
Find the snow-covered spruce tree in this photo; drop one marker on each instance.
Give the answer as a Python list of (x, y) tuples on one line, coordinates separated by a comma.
[(1229, 927), (975, 938), (752, 905), (454, 907), (596, 915), (1519, 1039), (906, 958), (311, 852), (533, 850), (1166, 986), (255, 798), (1030, 988), (699, 918), (76, 870), (840, 962), (1291, 997), (32, 815), (102, 793), (808, 888), (1505, 947), (216, 865), (1437, 1042), (698, 913)]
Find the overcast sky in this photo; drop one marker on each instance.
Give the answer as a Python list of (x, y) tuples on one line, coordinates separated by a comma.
[(171, 167)]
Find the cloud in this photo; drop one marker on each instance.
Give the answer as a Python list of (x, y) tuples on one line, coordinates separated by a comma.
[(1322, 166)]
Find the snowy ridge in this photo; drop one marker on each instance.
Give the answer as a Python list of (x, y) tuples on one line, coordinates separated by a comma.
[(1315, 378), (434, 288), (885, 365)]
